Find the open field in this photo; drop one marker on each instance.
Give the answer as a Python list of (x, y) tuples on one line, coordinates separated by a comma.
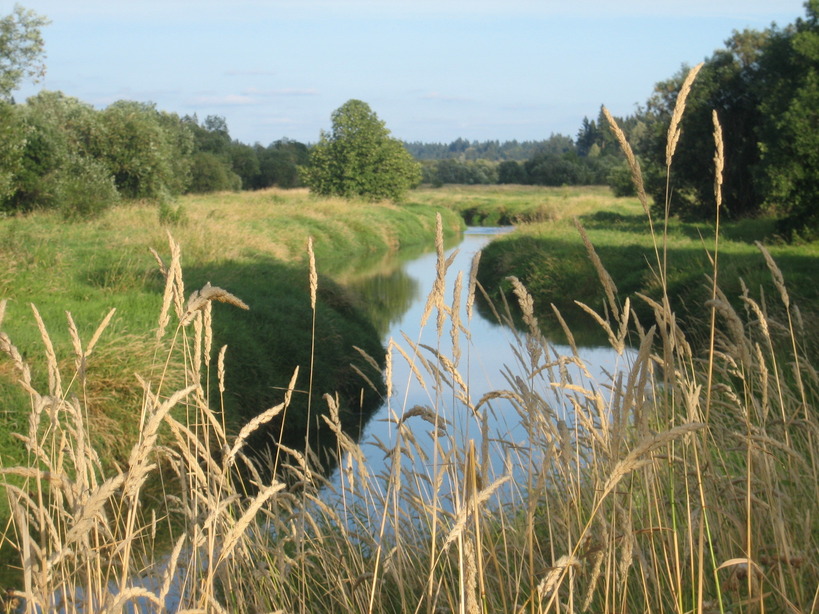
[(688, 487), (252, 244)]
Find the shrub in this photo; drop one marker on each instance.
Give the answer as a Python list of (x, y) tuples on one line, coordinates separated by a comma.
[(83, 189)]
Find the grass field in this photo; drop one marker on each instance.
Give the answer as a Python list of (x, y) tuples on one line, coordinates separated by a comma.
[(252, 244), (551, 260), (686, 481)]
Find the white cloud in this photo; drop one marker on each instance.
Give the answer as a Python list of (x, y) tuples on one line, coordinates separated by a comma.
[(444, 97), (227, 100), (253, 91)]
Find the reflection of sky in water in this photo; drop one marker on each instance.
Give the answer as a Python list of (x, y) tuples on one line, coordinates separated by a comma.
[(487, 360)]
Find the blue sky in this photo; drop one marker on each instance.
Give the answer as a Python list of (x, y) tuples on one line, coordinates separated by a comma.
[(433, 70)]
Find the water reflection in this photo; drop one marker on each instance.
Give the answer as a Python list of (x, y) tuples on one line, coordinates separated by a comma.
[(386, 297), (427, 400)]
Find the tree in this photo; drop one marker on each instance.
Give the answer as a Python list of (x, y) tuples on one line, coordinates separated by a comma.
[(790, 139), (12, 144), (209, 173), (21, 49), (510, 171), (55, 168), (764, 87), (358, 158), (729, 83), (148, 152), (56, 127)]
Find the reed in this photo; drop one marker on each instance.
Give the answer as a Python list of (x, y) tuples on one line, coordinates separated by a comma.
[(684, 481)]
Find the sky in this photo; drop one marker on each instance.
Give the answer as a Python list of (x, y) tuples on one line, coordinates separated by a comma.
[(433, 70)]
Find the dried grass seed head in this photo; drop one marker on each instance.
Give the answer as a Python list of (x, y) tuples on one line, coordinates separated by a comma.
[(674, 130), (200, 298)]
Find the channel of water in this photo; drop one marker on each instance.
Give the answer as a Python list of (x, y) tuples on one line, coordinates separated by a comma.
[(398, 297), (490, 356)]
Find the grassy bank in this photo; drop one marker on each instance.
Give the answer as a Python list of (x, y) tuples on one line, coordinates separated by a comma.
[(675, 484), (552, 261), (505, 205), (251, 244)]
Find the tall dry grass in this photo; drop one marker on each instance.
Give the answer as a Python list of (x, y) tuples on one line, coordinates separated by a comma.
[(682, 482)]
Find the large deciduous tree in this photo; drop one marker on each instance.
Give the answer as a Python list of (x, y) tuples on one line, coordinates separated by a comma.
[(764, 87), (21, 55), (790, 138), (21, 49), (730, 84), (359, 159), (146, 150)]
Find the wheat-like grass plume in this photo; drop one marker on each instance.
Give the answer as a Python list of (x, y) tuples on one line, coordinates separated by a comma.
[(313, 274), (719, 159), (631, 159), (199, 299), (674, 130)]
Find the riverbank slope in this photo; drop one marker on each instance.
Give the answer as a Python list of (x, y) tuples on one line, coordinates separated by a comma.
[(252, 244), (548, 255)]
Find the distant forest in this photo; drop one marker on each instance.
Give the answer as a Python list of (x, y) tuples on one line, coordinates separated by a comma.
[(495, 151), (57, 151)]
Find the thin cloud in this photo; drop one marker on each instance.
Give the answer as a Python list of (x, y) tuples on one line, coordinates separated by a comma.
[(444, 97), (228, 100), (253, 91)]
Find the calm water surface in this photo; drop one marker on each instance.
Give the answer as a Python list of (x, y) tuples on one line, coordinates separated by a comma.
[(487, 362)]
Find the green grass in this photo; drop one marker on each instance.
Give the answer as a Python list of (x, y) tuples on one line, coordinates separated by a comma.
[(552, 262), (253, 245), (504, 205), (682, 481)]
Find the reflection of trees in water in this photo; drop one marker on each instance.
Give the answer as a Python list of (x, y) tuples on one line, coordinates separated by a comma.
[(505, 311), (268, 342), (382, 285), (385, 297)]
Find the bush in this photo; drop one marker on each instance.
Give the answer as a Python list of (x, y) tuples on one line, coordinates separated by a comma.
[(209, 173), (83, 189), (619, 180)]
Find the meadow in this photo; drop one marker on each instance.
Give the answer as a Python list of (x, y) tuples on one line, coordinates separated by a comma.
[(685, 481)]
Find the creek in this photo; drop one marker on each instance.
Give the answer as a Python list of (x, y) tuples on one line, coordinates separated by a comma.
[(492, 355)]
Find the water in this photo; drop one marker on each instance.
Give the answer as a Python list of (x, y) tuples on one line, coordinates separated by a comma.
[(488, 363), (397, 297)]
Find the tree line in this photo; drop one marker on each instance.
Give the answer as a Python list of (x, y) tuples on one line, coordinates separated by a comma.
[(556, 161), (56, 151), (59, 152), (764, 88)]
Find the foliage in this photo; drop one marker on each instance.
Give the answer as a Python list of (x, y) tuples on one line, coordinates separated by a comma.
[(358, 158), (729, 83), (209, 173), (21, 49), (510, 171), (464, 172), (13, 132), (619, 180), (790, 137), (68, 142), (83, 188), (146, 150), (764, 87), (244, 163), (59, 129), (279, 164), (464, 149)]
